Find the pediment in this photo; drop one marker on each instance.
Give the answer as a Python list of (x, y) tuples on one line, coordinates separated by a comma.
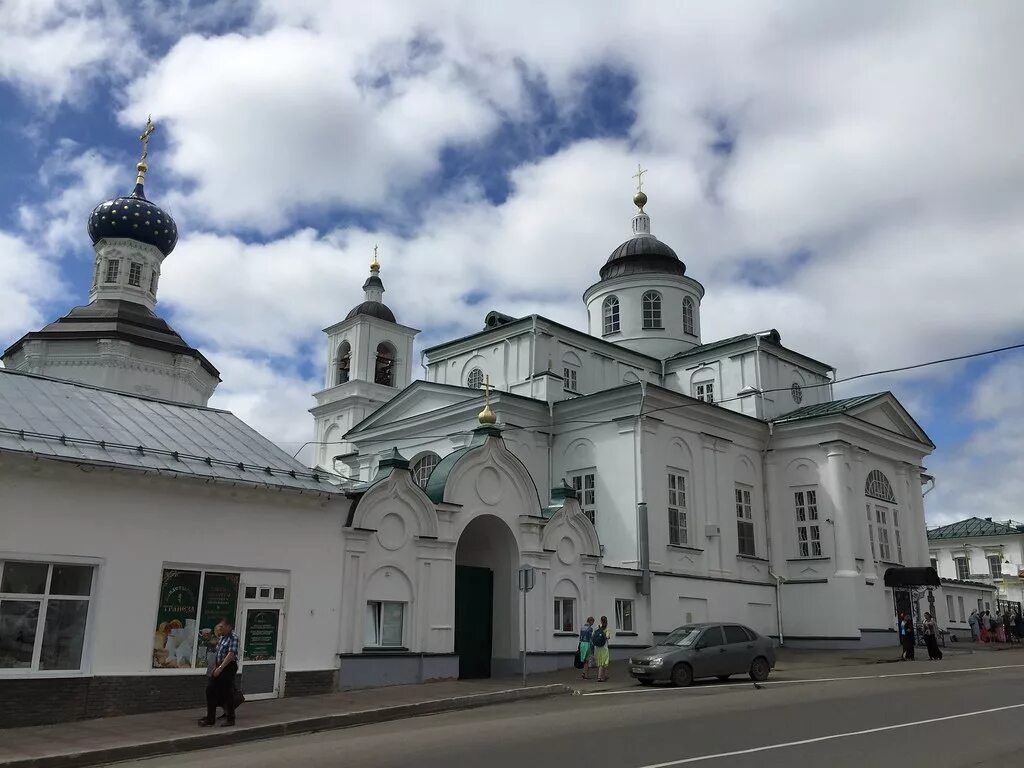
[(419, 398), (889, 414)]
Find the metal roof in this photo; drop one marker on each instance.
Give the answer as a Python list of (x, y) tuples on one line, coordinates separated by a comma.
[(63, 420), (975, 526), (830, 408)]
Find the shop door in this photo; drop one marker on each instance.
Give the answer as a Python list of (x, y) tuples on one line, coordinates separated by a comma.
[(473, 612), (262, 651)]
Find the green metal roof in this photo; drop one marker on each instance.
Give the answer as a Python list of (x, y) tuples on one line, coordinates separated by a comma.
[(439, 476), (975, 526), (831, 408)]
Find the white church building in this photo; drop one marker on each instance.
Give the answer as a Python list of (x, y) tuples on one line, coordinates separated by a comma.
[(644, 473)]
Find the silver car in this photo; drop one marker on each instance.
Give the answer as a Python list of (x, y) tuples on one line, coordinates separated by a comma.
[(705, 650)]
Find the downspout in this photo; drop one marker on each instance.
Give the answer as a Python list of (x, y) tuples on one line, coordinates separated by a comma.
[(423, 365), (533, 355), (643, 539), (768, 532), (551, 445)]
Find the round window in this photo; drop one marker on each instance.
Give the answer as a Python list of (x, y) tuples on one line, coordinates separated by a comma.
[(798, 392)]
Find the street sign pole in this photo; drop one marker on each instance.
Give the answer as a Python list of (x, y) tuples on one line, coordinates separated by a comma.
[(527, 578)]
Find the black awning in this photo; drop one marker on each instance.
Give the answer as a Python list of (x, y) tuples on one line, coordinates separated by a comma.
[(911, 577)]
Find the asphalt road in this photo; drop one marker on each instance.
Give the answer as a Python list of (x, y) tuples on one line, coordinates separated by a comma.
[(961, 712)]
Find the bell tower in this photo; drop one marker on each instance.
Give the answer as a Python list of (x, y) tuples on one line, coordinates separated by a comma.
[(369, 361)]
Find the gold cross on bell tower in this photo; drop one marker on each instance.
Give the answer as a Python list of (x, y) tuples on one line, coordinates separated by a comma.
[(375, 265), (639, 176), (144, 138), (486, 416)]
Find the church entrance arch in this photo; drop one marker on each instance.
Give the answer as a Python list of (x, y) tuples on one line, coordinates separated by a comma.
[(486, 620)]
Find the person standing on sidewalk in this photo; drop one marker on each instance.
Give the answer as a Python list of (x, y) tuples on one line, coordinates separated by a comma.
[(602, 656), (973, 621), (586, 649), (908, 637), (220, 687), (931, 638)]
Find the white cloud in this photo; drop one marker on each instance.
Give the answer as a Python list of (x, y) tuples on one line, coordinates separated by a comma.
[(26, 281)]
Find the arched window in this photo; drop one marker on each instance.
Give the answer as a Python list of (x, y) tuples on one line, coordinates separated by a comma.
[(651, 303), (611, 315), (475, 380), (878, 487), (383, 371), (344, 362), (422, 468), (688, 316)]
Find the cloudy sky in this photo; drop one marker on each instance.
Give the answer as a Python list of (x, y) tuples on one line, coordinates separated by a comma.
[(850, 174)]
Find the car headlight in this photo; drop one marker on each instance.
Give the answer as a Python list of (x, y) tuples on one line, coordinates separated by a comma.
[(656, 662)]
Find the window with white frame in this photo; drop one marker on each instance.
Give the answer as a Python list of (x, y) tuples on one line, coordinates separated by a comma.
[(688, 316), (569, 378), (610, 313), (995, 566), (584, 482), (624, 615), (871, 531), (949, 608), (745, 522), (960, 606), (933, 561), (704, 390), (565, 614), (422, 468), (113, 268), (385, 622), (897, 540), (152, 282), (882, 519), (475, 379), (651, 308), (963, 568), (135, 274), (678, 524), (808, 527), (878, 487), (44, 610)]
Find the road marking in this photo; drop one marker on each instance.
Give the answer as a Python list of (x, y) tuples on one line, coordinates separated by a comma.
[(770, 683), (831, 737)]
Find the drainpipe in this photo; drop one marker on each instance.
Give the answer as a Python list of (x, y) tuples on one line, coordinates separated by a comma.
[(533, 355), (768, 531), (551, 444), (643, 540), (423, 365), (663, 372)]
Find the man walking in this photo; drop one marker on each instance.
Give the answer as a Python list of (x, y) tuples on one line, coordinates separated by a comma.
[(220, 687)]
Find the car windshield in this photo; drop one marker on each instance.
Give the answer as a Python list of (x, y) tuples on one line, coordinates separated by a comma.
[(684, 636)]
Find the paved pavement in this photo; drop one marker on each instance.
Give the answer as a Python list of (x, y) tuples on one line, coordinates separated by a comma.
[(964, 711)]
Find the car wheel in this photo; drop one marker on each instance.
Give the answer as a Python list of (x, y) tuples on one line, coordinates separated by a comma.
[(646, 682), (682, 675), (723, 678), (760, 669)]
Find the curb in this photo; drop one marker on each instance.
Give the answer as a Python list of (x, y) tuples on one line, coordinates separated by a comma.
[(226, 737)]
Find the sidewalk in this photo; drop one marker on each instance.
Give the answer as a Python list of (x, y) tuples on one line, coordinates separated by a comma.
[(93, 742)]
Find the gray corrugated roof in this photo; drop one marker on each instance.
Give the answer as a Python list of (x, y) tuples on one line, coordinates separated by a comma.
[(830, 408), (975, 526), (63, 420)]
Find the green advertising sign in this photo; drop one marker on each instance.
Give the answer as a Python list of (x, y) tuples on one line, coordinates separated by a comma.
[(220, 600), (261, 635), (176, 618)]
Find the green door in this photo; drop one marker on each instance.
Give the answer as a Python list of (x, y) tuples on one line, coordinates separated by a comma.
[(473, 596)]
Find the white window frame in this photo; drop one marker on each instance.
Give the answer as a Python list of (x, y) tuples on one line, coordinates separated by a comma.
[(882, 519), (378, 627), (933, 561), (745, 520), (423, 466), (996, 568), (960, 606), (897, 539), (475, 375), (135, 274), (678, 511), (871, 530), (966, 575), (650, 311), (152, 282), (625, 619), (610, 319), (569, 377), (950, 607), (43, 601), (113, 271), (688, 327), (705, 390), (584, 482), (561, 604), (808, 522)]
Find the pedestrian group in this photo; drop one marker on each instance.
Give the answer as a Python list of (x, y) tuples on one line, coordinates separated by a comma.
[(593, 649)]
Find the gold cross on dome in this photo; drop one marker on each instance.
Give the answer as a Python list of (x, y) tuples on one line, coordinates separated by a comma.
[(144, 138), (375, 264), (487, 390), (639, 176)]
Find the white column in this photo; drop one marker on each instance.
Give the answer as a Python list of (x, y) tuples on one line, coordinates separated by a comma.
[(835, 482)]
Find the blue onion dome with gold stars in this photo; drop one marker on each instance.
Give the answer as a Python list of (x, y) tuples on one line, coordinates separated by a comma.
[(133, 216)]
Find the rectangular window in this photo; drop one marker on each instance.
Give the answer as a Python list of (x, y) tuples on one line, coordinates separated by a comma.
[(565, 614), (113, 267), (871, 532), (678, 529), (585, 484), (896, 535), (995, 566), (135, 274), (385, 622), (190, 605), (624, 615), (44, 610), (569, 379), (963, 569), (808, 528), (960, 605), (744, 522), (882, 518), (152, 282), (934, 562), (705, 391)]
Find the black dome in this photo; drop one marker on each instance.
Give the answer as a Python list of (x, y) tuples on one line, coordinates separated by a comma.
[(133, 216), (644, 253), (373, 309)]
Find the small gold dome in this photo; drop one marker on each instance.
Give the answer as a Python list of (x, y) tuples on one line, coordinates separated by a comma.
[(640, 200), (487, 416)]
